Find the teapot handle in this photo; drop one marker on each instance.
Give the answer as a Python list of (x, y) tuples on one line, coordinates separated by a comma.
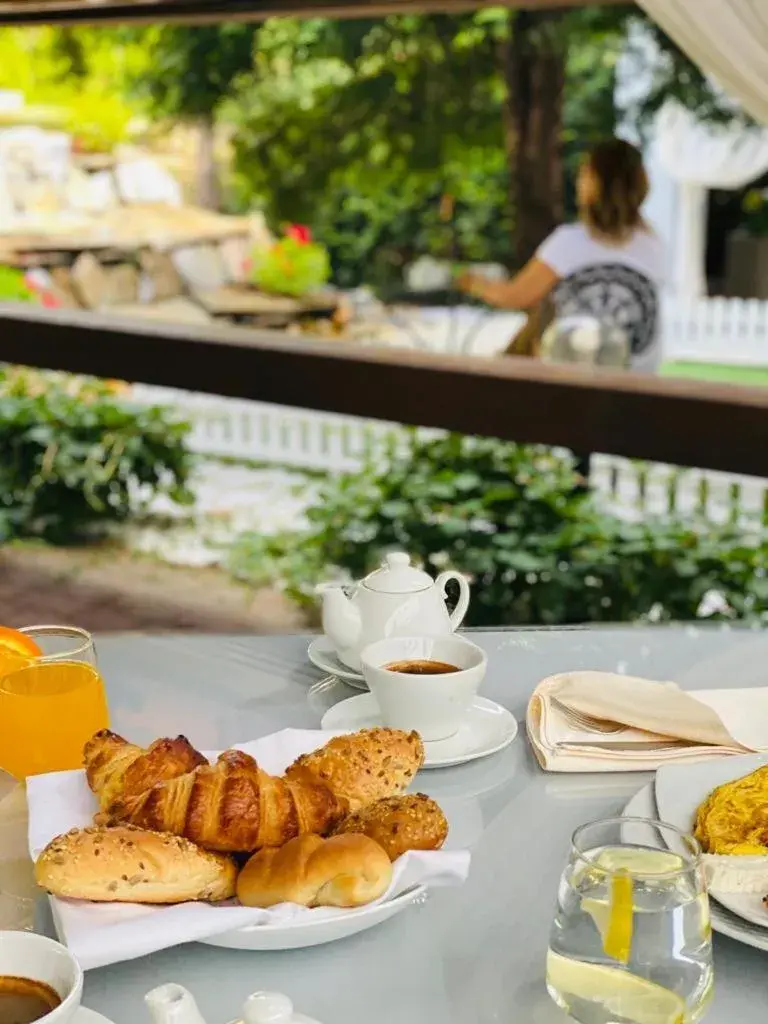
[(460, 610)]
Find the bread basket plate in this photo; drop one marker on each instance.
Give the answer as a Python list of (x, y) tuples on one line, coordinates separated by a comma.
[(103, 933), (643, 805), (300, 934)]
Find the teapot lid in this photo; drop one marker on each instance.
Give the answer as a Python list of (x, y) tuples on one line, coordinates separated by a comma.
[(398, 576), (271, 1008)]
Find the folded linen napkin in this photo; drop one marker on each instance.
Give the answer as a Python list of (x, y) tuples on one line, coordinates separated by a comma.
[(602, 722), (107, 933)]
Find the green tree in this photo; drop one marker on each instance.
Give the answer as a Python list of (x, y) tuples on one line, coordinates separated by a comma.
[(359, 128), (189, 72), (364, 128)]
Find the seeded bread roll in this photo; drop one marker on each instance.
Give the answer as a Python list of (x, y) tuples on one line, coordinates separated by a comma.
[(363, 766), (125, 864), (399, 823), (344, 871)]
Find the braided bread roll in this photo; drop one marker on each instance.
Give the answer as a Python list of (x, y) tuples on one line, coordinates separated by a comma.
[(233, 806), (117, 770)]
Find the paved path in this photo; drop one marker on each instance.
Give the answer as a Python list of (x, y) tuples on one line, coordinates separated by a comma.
[(105, 589)]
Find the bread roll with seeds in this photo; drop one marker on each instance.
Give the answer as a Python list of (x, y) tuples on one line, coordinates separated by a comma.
[(399, 824), (125, 864), (362, 767)]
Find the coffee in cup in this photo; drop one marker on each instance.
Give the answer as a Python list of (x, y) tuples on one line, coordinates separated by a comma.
[(422, 667), (40, 980), (25, 1000), (424, 683)]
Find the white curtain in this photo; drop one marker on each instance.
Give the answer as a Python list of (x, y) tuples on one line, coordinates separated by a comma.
[(728, 39), (700, 157)]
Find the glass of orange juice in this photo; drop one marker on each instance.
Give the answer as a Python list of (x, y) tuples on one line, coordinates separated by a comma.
[(52, 700)]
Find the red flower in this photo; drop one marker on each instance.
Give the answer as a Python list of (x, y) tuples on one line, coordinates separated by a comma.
[(299, 233)]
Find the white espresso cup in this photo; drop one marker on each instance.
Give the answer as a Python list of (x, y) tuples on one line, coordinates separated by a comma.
[(26, 955), (435, 705)]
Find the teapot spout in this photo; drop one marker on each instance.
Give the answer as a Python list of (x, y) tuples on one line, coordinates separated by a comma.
[(172, 1004), (341, 619)]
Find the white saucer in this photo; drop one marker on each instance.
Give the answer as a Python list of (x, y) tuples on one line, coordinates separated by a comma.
[(322, 654), (83, 1015), (487, 729)]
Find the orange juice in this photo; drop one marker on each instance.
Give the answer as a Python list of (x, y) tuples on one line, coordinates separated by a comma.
[(48, 711)]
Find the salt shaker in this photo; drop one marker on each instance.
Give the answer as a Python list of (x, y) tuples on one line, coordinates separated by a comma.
[(271, 1008)]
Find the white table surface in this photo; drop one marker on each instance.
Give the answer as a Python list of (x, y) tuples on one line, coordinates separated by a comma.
[(473, 955)]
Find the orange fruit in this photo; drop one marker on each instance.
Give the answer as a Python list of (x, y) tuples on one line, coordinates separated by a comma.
[(16, 650)]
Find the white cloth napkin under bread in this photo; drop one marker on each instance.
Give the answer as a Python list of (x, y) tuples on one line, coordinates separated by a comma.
[(107, 933), (659, 723)]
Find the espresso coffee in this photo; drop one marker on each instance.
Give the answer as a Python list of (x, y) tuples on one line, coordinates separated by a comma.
[(24, 1000), (420, 667)]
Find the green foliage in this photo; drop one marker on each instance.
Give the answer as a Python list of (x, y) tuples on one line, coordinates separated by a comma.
[(290, 267), (361, 128), (537, 549), (77, 460), (98, 121), (190, 70), (13, 287), (76, 78)]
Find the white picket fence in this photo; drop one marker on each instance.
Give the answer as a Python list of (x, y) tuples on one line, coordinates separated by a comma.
[(715, 330), (258, 433)]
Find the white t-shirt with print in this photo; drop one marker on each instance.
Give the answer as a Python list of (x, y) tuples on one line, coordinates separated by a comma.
[(571, 248)]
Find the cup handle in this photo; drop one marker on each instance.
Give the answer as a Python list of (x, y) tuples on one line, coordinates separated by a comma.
[(463, 603)]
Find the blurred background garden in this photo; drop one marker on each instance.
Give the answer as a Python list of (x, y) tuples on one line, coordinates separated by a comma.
[(377, 155)]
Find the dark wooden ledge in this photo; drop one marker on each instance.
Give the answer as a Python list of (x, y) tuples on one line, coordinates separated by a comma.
[(690, 423)]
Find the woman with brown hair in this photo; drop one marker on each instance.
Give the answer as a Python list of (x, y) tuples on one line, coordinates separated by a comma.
[(607, 266)]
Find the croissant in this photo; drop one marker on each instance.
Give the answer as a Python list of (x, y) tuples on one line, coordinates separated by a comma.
[(117, 769), (233, 806)]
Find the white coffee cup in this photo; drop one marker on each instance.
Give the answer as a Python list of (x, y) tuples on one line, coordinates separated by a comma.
[(26, 955), (434, 705)]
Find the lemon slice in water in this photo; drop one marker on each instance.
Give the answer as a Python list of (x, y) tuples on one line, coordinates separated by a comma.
[(638, 861), (614, 917), (624, 995), (617, 941)]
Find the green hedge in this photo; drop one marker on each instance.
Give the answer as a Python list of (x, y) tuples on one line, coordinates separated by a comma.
[(538, 550), (77, 458)]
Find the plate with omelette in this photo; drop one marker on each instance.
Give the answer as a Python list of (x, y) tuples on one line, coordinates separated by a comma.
[(724, 803)]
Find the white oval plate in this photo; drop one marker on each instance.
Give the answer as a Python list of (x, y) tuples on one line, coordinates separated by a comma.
[(681, 789), (488, 728), (643, 805), (750, 906), (299, 934), (322, 654)]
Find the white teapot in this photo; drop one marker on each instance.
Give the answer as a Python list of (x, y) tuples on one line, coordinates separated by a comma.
[(174, 1004), (395, 600)]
